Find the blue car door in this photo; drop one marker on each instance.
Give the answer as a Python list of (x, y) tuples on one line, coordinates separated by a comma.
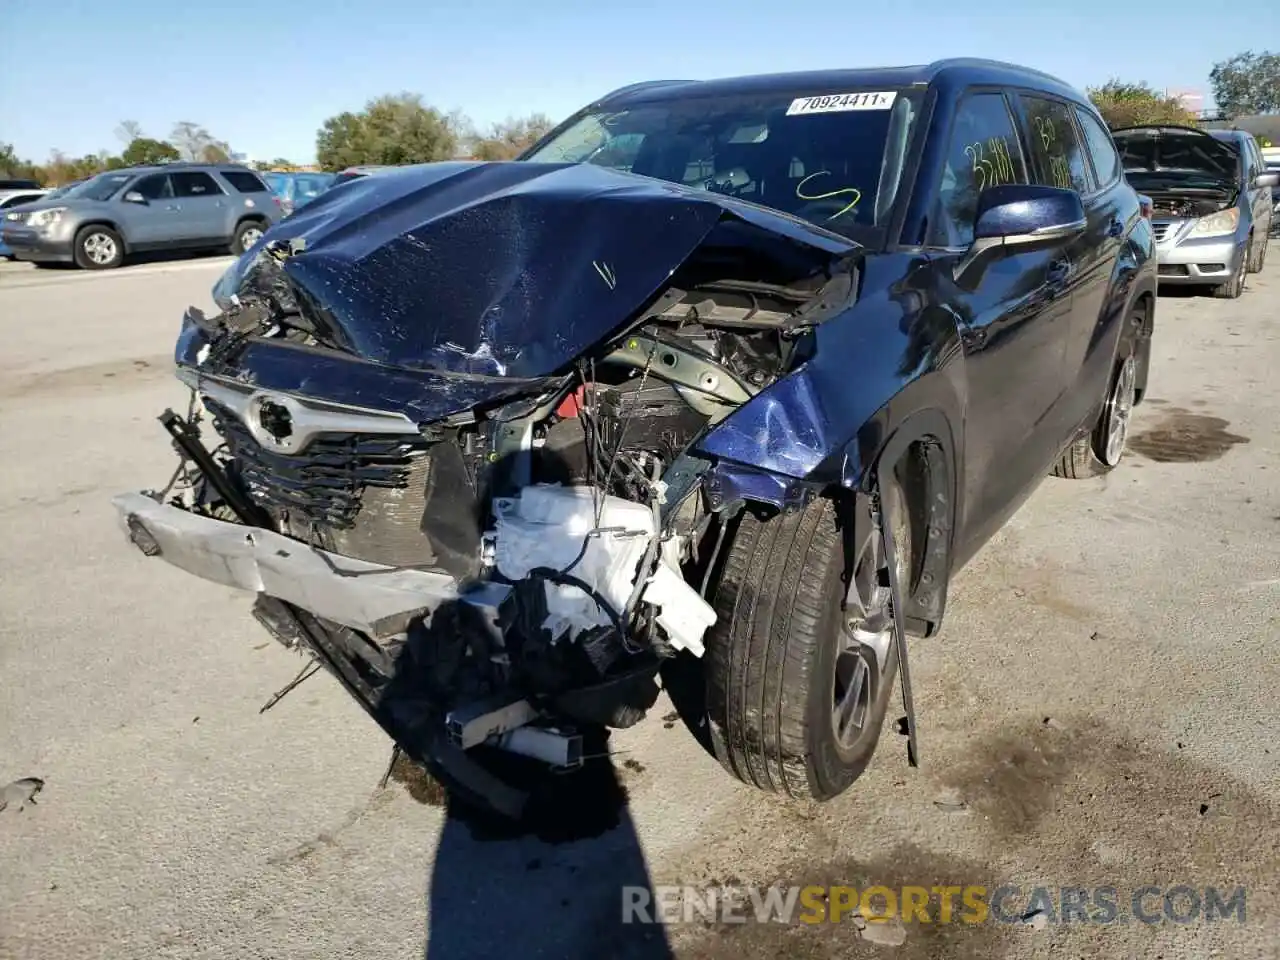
[(1011, 310)]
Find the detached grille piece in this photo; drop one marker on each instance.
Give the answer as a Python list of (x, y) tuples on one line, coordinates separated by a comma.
[(325, 484)]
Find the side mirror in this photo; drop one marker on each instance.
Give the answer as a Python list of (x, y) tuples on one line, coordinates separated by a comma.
[(1269, 179), (133, 196), (1022, 216)]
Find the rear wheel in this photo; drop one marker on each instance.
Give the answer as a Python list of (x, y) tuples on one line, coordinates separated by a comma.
[(1102, 449), (1235, 286), (98, 248), (247, 234), (798, 683)]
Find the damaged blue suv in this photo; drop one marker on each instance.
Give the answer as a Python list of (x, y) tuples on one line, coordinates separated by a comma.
[(719, 384)]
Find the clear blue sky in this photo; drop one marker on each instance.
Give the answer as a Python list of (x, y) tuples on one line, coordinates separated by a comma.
[(264, 75)]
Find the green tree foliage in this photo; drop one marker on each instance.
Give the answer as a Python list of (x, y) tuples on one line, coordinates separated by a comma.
[(147, 150), (393, 129), (1247, 83), (511, 137), (1136, 104)]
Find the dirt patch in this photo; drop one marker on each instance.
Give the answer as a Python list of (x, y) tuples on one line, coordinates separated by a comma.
[(417, 782), (113, 374), (1060, 805), (1181, 436)]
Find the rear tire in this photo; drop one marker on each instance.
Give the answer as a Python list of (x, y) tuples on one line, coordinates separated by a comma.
[(98, 248), (1100, 450), (1232, 289), (797, 685), (247, 234)]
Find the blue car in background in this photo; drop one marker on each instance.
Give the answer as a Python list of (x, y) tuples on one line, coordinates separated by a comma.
[(296, 190)]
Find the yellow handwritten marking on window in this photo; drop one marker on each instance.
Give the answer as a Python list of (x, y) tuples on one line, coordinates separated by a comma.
[(1059, 165), (992, 163), (842, 192)]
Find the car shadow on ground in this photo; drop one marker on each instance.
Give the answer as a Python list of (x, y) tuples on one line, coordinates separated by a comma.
[(551, 885)]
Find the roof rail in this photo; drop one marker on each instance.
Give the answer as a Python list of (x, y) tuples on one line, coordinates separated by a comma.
[(642, 85), (999, 64)]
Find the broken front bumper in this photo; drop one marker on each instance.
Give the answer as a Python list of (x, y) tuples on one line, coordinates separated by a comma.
[(369, 597)]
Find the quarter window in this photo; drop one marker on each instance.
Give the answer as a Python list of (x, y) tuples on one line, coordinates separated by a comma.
[(983, 152), (195, 184), (244, 181), (1056, 155), (1102, 149), (154, 187)]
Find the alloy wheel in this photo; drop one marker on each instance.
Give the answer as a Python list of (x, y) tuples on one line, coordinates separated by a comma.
[(1120, 412), (867, 635), (99, 248)]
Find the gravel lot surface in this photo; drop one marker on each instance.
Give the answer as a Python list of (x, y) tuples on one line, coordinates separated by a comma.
[(1100, 709)]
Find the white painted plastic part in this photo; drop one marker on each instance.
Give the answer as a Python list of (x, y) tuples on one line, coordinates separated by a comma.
[(546, 526), (683, 614)]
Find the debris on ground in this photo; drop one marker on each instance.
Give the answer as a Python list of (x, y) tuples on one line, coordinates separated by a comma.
[(885, 933), (20, 793), (950, 801), (1036, 920)]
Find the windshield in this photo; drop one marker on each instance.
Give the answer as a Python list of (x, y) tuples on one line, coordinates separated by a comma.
[(102, 187), (832, 159)]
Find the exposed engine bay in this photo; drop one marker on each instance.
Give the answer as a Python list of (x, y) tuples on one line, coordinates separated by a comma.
[(513, 572), (1189, 204)]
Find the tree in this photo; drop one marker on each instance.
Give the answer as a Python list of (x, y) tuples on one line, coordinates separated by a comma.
[(1247, 83), (392, 129), (11, 165), (129, 131), (146, 150), (1136, 104), (511, 137), (194, 142)]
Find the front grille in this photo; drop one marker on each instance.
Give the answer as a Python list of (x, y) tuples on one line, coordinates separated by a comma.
[(1173, 270), (1161, 230), (325, 484)]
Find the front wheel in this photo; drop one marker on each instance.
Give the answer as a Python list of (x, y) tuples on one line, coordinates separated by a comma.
[(98, 248), (798, 683), (1259, 256), (1234, 287)]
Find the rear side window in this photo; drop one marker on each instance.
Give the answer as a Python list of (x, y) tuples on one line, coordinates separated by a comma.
[(244, 181), (154, 187), (195, 184), (1102, 149), (983, 152), (1057, 158)]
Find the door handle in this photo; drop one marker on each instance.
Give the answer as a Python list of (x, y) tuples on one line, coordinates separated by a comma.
[(1115, 227)]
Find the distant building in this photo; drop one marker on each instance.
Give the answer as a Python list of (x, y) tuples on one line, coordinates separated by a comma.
[(1191, 99), (1263, 125)]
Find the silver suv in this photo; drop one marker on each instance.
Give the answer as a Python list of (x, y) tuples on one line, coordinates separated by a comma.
[(172, 206)]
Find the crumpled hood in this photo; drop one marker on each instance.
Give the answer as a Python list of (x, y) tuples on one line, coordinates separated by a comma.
[(505, 269)]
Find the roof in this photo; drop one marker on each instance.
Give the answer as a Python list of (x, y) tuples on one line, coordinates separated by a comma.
[(959, 71), (183, 165)]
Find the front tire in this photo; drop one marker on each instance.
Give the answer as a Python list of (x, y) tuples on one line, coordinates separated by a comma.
[(1259, 256), (1234, 287), (797, 685), (98, 248)]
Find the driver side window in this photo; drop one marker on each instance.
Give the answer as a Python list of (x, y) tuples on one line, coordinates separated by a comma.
[(983, 152)]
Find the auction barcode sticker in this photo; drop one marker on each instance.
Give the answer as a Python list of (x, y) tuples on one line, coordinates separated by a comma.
[(837, 102)]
